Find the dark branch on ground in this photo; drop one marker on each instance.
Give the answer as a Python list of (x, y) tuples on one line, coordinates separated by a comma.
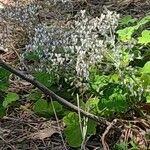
[(50, 93)]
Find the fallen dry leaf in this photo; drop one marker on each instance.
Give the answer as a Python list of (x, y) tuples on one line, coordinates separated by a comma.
[(44, 133)]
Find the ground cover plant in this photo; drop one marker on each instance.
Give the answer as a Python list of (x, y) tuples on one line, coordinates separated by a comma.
[(99, 64)]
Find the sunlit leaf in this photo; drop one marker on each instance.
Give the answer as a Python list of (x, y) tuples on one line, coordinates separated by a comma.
[(146, 68), (10, 98), (145, 38), (126, 33)]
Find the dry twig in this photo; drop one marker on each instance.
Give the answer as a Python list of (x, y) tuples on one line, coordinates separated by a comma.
[(50, 93)]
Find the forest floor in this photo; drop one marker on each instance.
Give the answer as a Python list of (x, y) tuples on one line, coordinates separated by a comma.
[(21, 129)]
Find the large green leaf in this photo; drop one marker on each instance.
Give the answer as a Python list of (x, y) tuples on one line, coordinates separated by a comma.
[(91, 127), (126, 34), (116, 103), (145, 38), (35, 95), (45, 78), (41, 107), (146, 68), (3, 85), (4, 74), (145, 78), (57, 107), (44, 108), (148, 98), (10, 98), (73, 132)]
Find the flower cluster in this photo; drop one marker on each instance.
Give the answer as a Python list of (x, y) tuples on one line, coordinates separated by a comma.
[(92, 38), (72, 49), (76, 48), (23, 14)]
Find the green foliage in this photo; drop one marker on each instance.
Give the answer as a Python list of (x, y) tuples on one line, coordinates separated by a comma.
[(125, 146), (32, 56), (45, 108), (73, 131), (4, 75), (116, 103), (143, 21), (35, 95), (146, 68), (2, 111), (145, 78), (97, 81), (148, 98), (111, 95), (112, 87), (45, 78), (92, 105), (4, 83), (125, 34), (127, 20), (145, 38), (10, 98)]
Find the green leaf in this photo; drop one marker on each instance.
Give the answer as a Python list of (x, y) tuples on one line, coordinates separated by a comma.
[(92, 105), (73, 132), (45, 78), (41, 107), (10, 98), (4, 78), (114, 78), (44, 108), (35, 95), (145, 79), (116, 103), (32, 56), (148, 98), (91, 127), (126, 20), (71, 119), (146, 68), (58, 107), (98, 81), (145, 38), (4, 74), (73, 136), (143, 21), (2, 111), (3, 85), (126, 34)]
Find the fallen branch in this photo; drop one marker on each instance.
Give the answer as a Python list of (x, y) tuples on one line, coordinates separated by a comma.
[(50, 93), (104, 143)]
